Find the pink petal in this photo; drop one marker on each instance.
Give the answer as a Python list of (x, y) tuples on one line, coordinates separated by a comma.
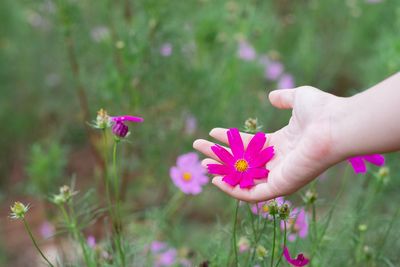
[(231, 179), (264, 156), (223, 154), (127, 118), (376, 159), (257, 173), (188, 159), (247, 181), (298, 262), (235, 142), (358, 164), (255, 146), (218, 169)]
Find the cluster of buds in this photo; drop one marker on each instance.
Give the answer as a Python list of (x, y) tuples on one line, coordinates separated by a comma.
[(18, 210), (273, 207), (251, 126), (64, 196), (116, 123), (261, 252)]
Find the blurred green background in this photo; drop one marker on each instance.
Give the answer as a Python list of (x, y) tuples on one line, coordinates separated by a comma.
[(178, 64)]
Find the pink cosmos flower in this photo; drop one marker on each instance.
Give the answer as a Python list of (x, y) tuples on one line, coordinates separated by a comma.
[(166, 49), (188, 174), (261, 208), (246, 51), (273, 70), (119, 128), (297, 224), (358, 163), (299, 261), (286, 81), (243, 166)]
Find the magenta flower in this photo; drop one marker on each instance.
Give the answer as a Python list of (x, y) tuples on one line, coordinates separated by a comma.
[(246, 51), (286, 81), (358, 163), (261, 208), (119, 128), (166, 50), (188, 174), (242, 166), (297, 224), (299, 261), (273, 70)]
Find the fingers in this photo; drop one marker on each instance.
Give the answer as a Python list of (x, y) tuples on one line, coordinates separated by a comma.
[(283, 98), (260, 192), (220, 135), (207, 161), (204, 147)]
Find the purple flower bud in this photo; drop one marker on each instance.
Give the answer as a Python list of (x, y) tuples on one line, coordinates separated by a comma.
[(120, 129)]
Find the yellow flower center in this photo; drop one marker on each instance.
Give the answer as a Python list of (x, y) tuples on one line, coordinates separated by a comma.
[(187, 176), (265, 208), (241, 165)]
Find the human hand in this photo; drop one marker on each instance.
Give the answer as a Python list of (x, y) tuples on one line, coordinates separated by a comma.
[(303, 149)]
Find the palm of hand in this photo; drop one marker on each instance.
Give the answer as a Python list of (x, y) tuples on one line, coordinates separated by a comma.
[(303, 147)]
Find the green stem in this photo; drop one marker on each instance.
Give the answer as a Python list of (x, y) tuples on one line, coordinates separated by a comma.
[(284, 243), (34, 242), (116, 180), (106, 182), (76, 233), (234, 234), (274, 241)]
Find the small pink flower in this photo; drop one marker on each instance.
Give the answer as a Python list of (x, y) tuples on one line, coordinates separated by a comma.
[(190, 125), (119, 128), (358, 163), (188, 174), (286, 81), (242, 166), (157, 246), (166, 258), (261, 208), (91, 241), (299, 261), (273, 70), (297, 224), (166, 50), (46, 230), (246, 51)]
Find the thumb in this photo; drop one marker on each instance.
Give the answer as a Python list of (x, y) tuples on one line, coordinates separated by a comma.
[(283, 98)]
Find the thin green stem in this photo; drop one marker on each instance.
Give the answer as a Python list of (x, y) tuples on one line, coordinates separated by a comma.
[(28, 229), (116, 180), (76, 233), (106, 181), (273, 242), (234, 234), (284, 243)]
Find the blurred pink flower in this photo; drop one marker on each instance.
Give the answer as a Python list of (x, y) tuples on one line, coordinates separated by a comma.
[(91, 241), (273, 70), (157, 246), (359, 165), (262, 208), (244, 165), (297, 224), (166, 49), (246, 51), (286, 81), (188, 174), (299, 261), (190, 124), (119, 128), (166, 258), (46, 230)]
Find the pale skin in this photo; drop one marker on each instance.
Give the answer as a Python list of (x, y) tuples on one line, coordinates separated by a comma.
[(324, 129)]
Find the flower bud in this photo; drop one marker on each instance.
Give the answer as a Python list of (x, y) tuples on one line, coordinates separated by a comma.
[(243, 244), (120, 129), (310, 197), (261, 252), (102, 120), (273, 207), (284, 212), (362, 227), (64, 196), (18, 210), (251, 126)]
